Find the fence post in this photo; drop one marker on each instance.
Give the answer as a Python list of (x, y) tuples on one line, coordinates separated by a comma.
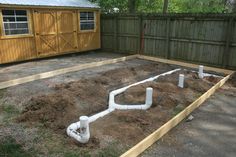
[(167, 45), (140, 34), (228, 37), (115, 24)]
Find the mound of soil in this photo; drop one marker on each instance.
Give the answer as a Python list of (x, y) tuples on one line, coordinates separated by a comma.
[(212, 79), (53, 111), (84, 97)]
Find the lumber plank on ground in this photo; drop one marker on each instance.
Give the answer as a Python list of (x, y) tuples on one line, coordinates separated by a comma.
[(53, 73), (156, 135), (190, 65)]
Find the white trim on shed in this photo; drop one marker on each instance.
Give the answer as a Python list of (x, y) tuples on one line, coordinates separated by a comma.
[(51, 3)]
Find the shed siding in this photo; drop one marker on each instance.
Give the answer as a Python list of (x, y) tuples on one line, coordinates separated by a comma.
[(17, 49), (53, 32)]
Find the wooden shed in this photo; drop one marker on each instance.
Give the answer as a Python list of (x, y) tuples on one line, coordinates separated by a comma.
[(41, 28)]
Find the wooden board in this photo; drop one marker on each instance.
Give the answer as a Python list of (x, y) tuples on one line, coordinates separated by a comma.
[(156, 59), (156, 135), (49, 74)]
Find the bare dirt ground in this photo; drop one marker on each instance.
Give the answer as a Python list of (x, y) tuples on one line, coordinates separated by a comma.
[(83, 97), (36, 114), (8, 72), (212, 132)]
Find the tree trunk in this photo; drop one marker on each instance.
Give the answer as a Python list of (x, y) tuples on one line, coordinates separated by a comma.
[(165, 6), (132, 6)]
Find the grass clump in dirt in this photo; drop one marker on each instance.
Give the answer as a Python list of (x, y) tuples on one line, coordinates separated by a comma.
[(2, 92), (10, 109), (10, 148), (9, 112), (178, 109), (77, 154), (111, 151)]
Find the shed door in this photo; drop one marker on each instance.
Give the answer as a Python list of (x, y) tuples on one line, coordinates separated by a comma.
[(45, 22), (67, 30)]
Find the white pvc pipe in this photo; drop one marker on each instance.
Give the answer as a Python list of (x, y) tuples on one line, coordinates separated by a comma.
[(200, 73), (100, 115), (148, 102), (83, 124), (84, 134), (181, 81), (121, 90), (206, 74)]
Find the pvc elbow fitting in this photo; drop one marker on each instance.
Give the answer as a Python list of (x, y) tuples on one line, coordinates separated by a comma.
[(84, 134)]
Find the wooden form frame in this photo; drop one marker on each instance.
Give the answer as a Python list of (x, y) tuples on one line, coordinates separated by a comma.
[(184, 64), (18, 81), (156, 135)]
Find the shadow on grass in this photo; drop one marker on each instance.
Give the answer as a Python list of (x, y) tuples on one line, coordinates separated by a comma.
[(10, 148)]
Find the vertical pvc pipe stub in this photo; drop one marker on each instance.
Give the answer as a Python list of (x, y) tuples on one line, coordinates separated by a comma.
[(83, 118), (181, 81), (149, 92), (84, 128), (84, 124), (150, 89), (200, 73)]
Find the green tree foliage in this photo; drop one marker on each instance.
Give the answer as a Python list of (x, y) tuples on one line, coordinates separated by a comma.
[(156, 6), (197, 6), (109, 5), (147, 6), (150, 6)]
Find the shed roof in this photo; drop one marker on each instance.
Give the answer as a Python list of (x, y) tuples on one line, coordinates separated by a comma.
[(51, 3)]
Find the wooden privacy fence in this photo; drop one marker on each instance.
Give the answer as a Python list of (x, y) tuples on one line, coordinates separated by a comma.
[(199, 38)]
